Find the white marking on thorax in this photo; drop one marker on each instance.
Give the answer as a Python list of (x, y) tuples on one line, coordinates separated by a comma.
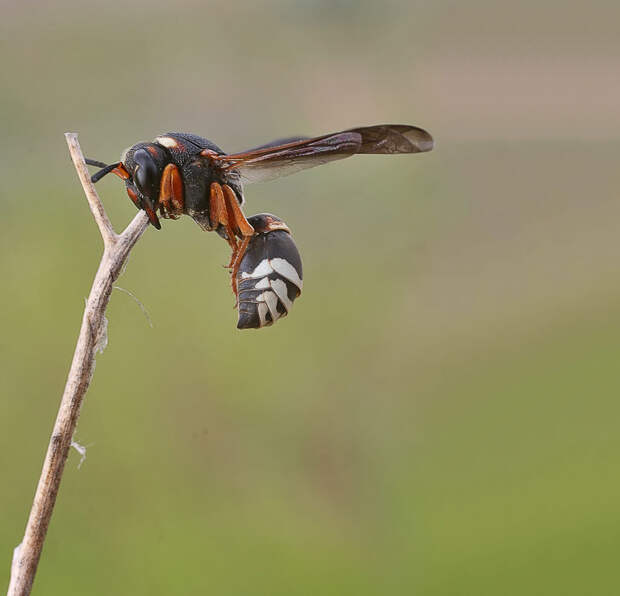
[(168, 142)]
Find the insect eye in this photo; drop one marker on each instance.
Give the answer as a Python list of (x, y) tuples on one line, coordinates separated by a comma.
[(146, 173)]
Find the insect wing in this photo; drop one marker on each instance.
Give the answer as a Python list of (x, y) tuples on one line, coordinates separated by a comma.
[(282, 160), (277, 143), (390, 139), (274, 161)]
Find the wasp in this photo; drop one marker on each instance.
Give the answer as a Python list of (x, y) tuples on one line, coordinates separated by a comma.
[(185, 174)]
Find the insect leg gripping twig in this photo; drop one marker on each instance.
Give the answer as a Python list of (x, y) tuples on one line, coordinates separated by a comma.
[(116, 250)]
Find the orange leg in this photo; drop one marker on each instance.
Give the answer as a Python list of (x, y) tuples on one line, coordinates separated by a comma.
[(218, 214), (171, 201), (243, 229), (242, 224), (224, 210)]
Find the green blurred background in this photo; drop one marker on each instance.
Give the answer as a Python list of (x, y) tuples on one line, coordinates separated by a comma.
[(438, 415)]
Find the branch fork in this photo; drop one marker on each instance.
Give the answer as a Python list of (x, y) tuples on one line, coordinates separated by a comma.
[(92, 336)]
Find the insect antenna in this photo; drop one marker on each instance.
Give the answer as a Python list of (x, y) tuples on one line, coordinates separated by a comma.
[(94, 162), (101, 173)]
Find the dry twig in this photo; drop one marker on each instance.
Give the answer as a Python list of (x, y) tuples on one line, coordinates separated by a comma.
[(92, 336)]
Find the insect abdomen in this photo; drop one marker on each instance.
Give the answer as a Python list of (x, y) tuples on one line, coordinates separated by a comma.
[(269, 278)]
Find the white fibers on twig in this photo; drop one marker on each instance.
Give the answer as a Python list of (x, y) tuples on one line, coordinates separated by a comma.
[(81, 449), (123, 267), (142, 307)]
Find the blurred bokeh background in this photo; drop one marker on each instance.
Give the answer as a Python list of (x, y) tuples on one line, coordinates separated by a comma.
[(439, 414)]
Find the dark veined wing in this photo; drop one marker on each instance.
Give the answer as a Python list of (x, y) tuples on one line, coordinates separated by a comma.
[(388, 139), (282, 160), (284, 141), (274, 161)]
